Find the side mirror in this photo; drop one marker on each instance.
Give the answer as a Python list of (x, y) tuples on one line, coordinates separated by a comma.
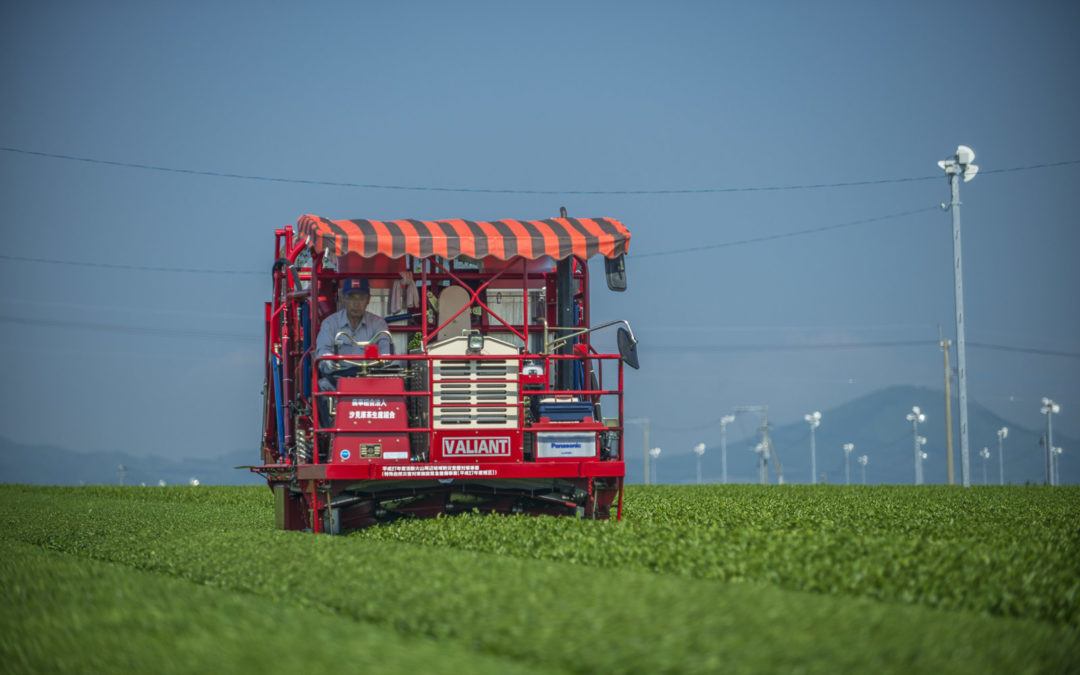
[(628, 348), (615, 269)]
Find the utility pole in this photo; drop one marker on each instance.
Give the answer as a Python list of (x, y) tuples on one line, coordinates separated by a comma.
[(960, 165), (766, 439), (644, 422), (764, 448), (945, 345), (762, 451)]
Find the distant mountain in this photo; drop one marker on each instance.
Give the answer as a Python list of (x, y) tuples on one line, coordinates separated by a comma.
[(48, 465), (875, 424)]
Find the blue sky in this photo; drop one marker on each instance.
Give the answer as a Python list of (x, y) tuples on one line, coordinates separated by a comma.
[(552, 96)]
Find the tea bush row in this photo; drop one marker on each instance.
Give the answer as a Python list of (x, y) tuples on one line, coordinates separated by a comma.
[(574, 617), (1007, 551), (68, 614)]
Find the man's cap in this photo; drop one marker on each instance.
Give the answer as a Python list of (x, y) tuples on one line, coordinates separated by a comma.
[(356, 286)]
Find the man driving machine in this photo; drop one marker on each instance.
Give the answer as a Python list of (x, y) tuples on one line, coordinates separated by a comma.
[(341, 331)]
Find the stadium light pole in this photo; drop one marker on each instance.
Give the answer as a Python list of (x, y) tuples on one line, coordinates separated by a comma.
[(814, 420), (655, 454), (921, 457), (1049, 408), (960, 165), (1002, 434), (699, 450), (915, 417), (863, 461), (848, 448), (724, 421), (985, 454)]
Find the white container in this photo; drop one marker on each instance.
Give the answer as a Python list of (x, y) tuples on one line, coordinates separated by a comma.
[(565, 444)]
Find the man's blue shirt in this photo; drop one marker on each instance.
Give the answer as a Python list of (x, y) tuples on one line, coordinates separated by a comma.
[(369, 325)]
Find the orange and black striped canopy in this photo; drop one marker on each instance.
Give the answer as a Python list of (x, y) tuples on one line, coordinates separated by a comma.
[(503, 239)]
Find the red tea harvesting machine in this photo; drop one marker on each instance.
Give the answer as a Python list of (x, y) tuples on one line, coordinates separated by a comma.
[(483, 392)]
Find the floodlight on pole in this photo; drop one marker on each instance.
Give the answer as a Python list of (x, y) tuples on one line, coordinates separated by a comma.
[(920, 457), (1002, 434), (699, 450), (1049, 408), (960, 165), (863, 461), (814, 420), (848, 448), (654, 453), (916, 416), (985, 454), (724, 421)]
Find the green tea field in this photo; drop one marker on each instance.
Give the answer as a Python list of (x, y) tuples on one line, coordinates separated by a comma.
[(695, 579)]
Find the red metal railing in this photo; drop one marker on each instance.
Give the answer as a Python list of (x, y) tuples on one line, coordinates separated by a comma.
[(519, 404)]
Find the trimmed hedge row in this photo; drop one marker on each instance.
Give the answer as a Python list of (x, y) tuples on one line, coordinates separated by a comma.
[(1009, 551), (545, 614), (67, 614)]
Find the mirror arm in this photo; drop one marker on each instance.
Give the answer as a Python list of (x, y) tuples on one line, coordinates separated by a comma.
[(560, 341)]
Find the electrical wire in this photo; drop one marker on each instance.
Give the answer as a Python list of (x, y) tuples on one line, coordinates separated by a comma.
[(828, 346), (138, 268), (636, 256), (785, 235), (697, 427), (518, 191), (186, 333), (1022, 350), (784, 348), (821, 346)]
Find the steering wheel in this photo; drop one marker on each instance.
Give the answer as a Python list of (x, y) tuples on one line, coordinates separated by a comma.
[(362, 365)]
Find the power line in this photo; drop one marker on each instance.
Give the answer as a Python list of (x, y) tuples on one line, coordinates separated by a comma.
[(1023, 350), (156, 309), (697, 427), (820, 346), (133, 330), (520, 191), (118, 266), (830, 346), (194, 270), (785, 235)]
